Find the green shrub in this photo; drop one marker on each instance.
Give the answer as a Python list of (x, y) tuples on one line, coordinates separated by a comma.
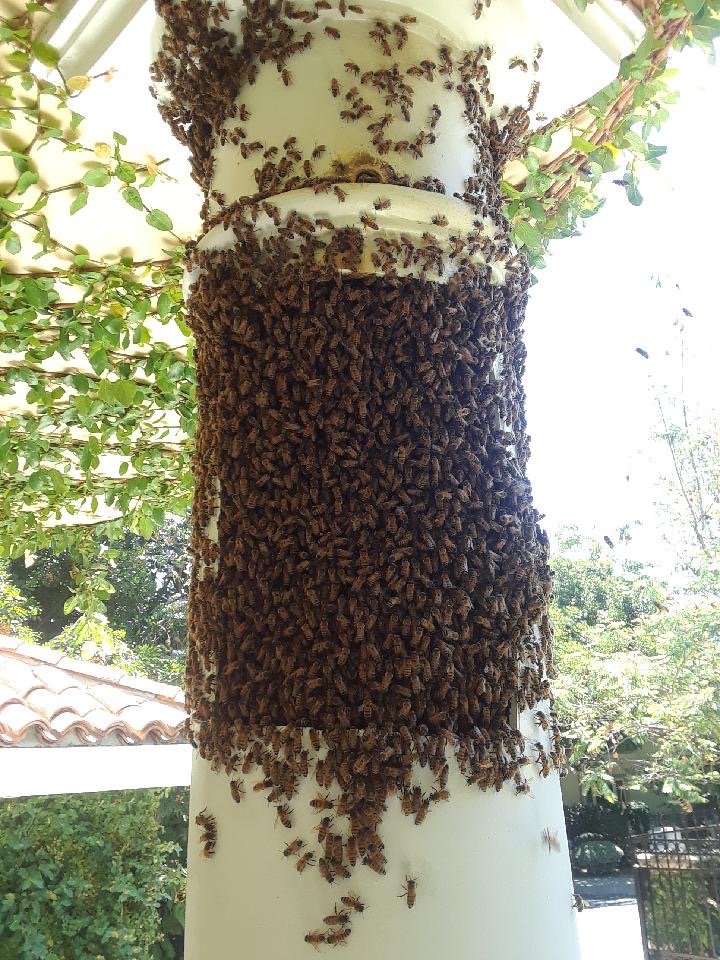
[(681, 913), (597, 856), (84, 877)]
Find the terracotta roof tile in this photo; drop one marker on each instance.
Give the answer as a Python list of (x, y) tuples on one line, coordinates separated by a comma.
[(48, 698)]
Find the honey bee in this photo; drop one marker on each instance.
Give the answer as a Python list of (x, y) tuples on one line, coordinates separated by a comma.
[(332, 32), (293, 848), (322, 803), (338, 937), (410, 891), (315, 938), (306, 860), (286, 77), (382, 203), (352, 68), (368, 222), (262, 785), (318, 151), (578, 903), (550, 839), (353, 903), (356, 9), (341, 195), (325, 871), (208, 837), (283, 815), (439, 220), (337, 919), (334, 87), (406, 19), (237, 790)]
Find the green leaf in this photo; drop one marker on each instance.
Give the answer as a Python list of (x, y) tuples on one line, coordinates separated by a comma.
[(132, 196), (25, 180), (45, 53), (97, 177), (79, 202), (164, 305), (12, 243), (98, 359), (124, 392), (526, 234), (160, 220), (124, 172), (694, 6)]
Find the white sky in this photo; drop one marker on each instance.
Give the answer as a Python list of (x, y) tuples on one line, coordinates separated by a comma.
[(591, 410)]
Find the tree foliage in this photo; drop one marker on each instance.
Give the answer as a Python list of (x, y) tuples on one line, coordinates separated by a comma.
[(84, 876)]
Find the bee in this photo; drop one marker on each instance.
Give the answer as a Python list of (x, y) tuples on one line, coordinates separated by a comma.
[(237, 790), (439, 220), (334, 87), (315, 938), (368, 222), (318, 151), (550, 839), (332, 32), (423, 811), (325, 871), (306, 860), (353, 903), (356, 9), (208, 837), (262, 785), (352, 68), (410, 891), (293, 848), (283, 815), (322, 803), (337, 919), (341, 195), (578, 903), (323, 828), (286, 77), (382, 203), (338, 936), (516, 62), (438, 795), (522, 787)]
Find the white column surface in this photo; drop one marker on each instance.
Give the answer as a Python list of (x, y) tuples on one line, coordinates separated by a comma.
[(488, 886)]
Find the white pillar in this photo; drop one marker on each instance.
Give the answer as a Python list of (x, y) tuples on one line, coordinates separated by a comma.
[(489, 869)]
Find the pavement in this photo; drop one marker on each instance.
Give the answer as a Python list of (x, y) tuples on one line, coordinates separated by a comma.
[(609, 926)]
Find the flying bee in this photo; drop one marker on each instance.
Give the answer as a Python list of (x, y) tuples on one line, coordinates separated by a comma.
[(322, 803), (283, 815), (306, 860), (439, 220), (237, 790), (410, 891), (353, 903), (318, 151), (292, 849), (550, 839), (382, 203), (316, 938), (337, 919), (522, 787)]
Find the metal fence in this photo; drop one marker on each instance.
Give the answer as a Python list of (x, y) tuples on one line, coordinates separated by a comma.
[(677, 880)]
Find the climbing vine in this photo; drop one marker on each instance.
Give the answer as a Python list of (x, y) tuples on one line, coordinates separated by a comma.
[(97, 392)]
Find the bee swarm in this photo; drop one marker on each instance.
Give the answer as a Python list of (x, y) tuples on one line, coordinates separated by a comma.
[(377, 593)]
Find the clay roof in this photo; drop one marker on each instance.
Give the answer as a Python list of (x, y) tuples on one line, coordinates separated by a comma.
[(50, 699)]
